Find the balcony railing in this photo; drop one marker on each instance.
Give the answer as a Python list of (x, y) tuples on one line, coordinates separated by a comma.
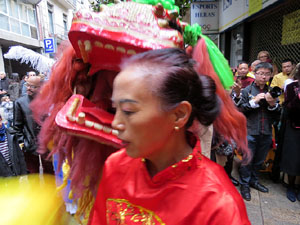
[(60, 33)]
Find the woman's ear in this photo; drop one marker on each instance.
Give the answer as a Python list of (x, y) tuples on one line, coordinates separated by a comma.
[(182, 113)]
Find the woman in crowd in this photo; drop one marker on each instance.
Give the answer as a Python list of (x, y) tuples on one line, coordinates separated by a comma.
[(290, 161), (264, 56), (161, 177)]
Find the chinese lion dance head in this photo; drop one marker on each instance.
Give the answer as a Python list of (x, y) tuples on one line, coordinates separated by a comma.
[(74, 106)]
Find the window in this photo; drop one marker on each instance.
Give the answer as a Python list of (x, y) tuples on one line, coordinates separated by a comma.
[(23, 13), (65, 21), (18, 18), (15, 26), (13, 9), (50, 17), (31, 17), (33, 31), (25, 29), (4, 22), (3, 6)]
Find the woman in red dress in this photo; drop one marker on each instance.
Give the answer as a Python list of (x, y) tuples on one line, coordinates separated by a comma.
[(160, 177)]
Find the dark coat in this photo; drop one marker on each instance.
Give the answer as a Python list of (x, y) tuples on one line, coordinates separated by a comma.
[(259, 120), (17, 158), (4, 83), (292, 103), (26, 128)]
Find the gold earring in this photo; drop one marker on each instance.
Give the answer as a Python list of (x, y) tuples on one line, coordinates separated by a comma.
[(176, 128)]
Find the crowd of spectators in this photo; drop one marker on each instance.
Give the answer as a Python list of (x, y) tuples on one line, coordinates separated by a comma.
[(19, 142), (271, 103), (269, 100)]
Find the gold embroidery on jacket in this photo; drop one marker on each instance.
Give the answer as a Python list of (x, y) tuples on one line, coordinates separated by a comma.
[(120, 211)]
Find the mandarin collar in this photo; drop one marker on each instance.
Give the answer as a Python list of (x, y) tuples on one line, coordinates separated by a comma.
[(176, 170)]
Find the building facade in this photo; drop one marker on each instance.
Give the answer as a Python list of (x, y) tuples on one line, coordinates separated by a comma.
[(29, 22), (246, 27)]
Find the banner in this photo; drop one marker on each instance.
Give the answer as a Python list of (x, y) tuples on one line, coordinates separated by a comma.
[(254, 6), (291, 28), (232, 12)]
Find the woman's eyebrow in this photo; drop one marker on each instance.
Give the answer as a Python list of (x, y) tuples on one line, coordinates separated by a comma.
[(121, 101), (128, 100)]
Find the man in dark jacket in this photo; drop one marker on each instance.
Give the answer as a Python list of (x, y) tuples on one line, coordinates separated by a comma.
[(27, 129), (12, 162), (4, 83), (260, 108)]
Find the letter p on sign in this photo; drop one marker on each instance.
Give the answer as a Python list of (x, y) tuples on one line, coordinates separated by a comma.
[(49, 45)]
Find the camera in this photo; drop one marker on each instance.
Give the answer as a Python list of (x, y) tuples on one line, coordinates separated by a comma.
[(275, 92)]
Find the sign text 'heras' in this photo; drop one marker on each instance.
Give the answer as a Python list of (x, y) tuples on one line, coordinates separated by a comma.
[(207, 7), (206, 14)]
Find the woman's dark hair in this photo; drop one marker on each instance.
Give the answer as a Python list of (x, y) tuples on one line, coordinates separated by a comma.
[(173, 79), (296, 72)]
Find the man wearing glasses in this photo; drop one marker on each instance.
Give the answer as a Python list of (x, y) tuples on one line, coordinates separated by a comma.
[(259, 108), (27, 129), (24, 87)]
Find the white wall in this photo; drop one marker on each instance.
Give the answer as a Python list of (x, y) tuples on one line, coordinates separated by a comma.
[(232, 12)]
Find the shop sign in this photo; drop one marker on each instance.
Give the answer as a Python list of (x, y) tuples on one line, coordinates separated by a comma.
[(291, 28), (235, 11), (254, 6), (206, 14), (49, 45)]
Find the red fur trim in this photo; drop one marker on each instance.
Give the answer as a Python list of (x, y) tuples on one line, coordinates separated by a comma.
[(89, 156), (230, 123)]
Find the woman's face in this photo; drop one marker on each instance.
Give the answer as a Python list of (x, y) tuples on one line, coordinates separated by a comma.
[(144, 128), (263, 57)]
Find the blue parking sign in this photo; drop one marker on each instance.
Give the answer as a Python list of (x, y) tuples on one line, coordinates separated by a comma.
[(49, 45)]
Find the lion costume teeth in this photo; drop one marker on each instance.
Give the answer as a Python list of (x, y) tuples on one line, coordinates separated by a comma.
[(79, 125)]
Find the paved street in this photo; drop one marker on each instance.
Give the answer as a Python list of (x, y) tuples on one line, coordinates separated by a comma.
[(272, 208)]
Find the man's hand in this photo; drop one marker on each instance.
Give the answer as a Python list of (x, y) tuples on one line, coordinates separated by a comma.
[(259, 97), (21, 145), (237, 86), (271, 101)]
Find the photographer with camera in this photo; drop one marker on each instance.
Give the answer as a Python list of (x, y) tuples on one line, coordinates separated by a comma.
[(259, 107)]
